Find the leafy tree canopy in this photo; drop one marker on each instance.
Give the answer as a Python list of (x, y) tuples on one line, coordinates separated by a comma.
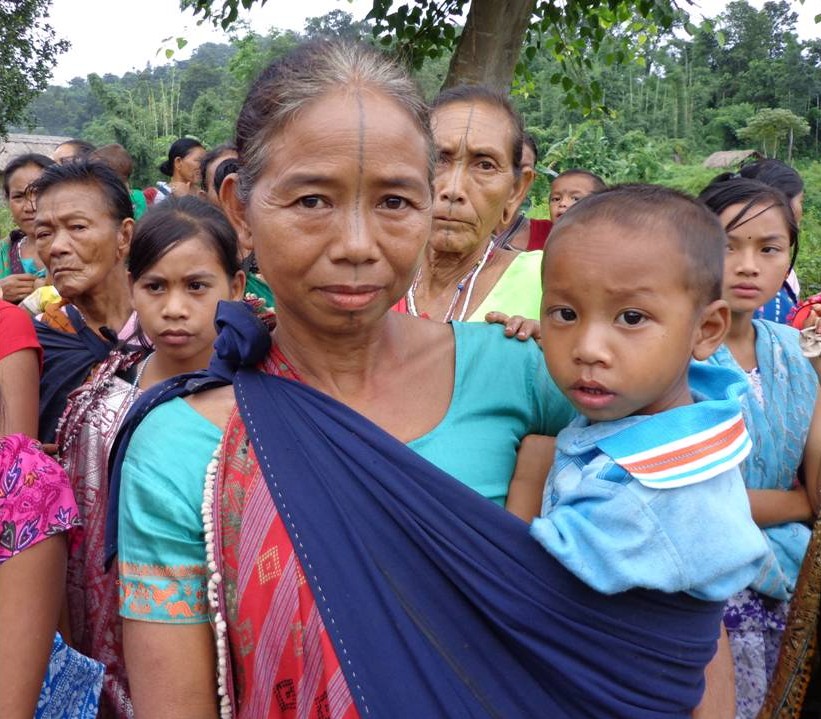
[(28, 53), (488, 47)]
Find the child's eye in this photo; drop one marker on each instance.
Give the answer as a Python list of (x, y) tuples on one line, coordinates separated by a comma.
[(770, 250), (196, 286), (152, 287), (631, 318), (562, 314)]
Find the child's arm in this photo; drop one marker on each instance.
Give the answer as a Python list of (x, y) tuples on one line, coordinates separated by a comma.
[(533, 462), (775, 506), (719, 684)]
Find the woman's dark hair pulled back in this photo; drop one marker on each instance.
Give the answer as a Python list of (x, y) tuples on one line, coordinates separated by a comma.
[(84, 171), (179, 148), (175, 220), (306, 74)]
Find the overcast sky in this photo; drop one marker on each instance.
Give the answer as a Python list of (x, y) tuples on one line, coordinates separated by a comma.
[(115, 36)]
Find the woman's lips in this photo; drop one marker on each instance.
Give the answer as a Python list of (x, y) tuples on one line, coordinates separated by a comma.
[(350, 297)]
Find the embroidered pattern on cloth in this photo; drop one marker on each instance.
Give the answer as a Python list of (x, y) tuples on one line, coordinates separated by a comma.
[(281, 658), (35, 498)]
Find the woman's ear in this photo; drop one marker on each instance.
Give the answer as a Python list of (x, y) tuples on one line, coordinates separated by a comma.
[(124, 235), (713, 326), (235, 211), (237, 286), (518, 194)]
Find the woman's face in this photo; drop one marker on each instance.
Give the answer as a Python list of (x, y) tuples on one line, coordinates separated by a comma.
[(78, 239), (21, 206), (342, 211), (475, 188), (188, 167)]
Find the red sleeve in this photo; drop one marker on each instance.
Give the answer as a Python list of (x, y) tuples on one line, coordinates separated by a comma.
[(17, 331)]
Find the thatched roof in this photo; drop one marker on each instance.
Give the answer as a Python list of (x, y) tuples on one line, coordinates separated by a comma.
[(730, 158), (19, 144)]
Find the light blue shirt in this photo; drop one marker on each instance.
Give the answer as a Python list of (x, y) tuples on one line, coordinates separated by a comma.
[(657, 501)]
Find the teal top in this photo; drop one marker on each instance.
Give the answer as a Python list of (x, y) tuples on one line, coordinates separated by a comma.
[(501, 393)]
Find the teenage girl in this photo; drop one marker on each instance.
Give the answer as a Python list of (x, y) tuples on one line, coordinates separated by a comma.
[(183, 261), (782, 471)]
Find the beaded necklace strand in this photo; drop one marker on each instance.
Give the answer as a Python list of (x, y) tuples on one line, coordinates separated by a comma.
[(469, 281)]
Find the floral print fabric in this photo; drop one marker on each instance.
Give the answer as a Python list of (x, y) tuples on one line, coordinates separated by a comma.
[(36, 501)]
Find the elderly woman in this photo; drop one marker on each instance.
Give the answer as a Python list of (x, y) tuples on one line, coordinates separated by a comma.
[(328, 564), (82, 229), (479, 185)]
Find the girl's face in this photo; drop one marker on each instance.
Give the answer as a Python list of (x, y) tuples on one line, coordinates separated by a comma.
[(21, 206), (758, 256), (176, 299)]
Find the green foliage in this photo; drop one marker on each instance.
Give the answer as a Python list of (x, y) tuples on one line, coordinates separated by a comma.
[(6, 222), (28, 52), (771, 126)]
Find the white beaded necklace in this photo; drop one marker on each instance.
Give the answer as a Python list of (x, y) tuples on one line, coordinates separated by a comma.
[(468, 280)]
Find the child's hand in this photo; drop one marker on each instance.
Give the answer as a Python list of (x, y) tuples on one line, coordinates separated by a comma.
[(516, 326)]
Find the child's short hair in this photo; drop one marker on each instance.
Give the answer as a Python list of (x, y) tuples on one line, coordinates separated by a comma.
[(598, 183), (652, 208)]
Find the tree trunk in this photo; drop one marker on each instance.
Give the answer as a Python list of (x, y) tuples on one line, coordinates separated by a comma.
[(490, 44)]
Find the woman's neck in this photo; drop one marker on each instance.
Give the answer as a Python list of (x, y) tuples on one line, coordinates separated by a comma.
[(345, 365), (441, 271), (106, 306)]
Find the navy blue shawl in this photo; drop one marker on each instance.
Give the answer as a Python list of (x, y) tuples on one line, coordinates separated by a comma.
[(67, 361), (438, 602)]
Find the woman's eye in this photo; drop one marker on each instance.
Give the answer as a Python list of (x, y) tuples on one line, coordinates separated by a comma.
[(312, 202), (394, 203), (152, 287), (632, 317), (485, 165), (196, 286)]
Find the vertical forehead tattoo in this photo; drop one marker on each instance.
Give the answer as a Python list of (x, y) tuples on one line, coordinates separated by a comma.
[(360, 108), (457, 170)]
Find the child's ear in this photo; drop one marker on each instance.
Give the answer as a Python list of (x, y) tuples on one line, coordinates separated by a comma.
[(712, 329)]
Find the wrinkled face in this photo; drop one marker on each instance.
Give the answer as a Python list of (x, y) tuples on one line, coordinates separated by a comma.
[(188, 168), (618, 324), (176, 300), (567, 191), (340, 215), (22, 207), (758, 256), (78, 239), (475, 182)]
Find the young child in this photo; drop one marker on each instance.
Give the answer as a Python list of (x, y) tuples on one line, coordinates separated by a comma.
[(645, 489), (569, 187), (782, 412)]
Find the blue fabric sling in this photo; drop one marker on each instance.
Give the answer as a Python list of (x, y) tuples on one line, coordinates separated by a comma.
[(438, 602), (67, 361)]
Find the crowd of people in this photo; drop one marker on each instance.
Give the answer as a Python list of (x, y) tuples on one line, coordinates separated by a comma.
[(325, 426)]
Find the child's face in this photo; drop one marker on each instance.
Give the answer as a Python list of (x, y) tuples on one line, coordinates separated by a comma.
[(176, 300), (618, 325), (758, 256), (567, 191)]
